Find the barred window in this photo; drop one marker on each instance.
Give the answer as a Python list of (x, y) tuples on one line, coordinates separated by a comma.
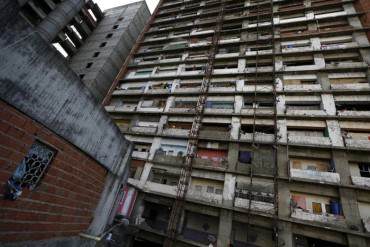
[(30, 170)]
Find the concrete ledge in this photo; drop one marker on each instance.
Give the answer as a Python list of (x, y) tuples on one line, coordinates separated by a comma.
[(361, 181), (329, 177), (328, 218)]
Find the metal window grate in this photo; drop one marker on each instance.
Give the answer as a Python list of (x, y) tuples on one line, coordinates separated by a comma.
[(30, 170)]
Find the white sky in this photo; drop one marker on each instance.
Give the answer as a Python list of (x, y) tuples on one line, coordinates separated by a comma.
[(106, 4)]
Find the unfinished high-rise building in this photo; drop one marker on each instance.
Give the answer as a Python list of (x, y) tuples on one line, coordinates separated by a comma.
[(251, 124), (95, 43)]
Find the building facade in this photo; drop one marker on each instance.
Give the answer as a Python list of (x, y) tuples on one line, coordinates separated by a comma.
[(100, 58), (250, 123), (56, 179)]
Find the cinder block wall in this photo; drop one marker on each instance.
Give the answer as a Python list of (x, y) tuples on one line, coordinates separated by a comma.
[(364, 6), (64, 202)]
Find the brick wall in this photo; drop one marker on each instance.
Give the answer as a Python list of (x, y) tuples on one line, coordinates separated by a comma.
[(64, 202), (364, 6)]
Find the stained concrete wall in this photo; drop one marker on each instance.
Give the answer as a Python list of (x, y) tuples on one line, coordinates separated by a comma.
[(36, 80), (130, 20)]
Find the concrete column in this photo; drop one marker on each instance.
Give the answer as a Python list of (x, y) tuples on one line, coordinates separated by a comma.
[(328, 104), (232, 156), (241, 65), (279, 84), (145, 174), (335, 134), (81, 27), (285, 234), (170, 102), (280, 104), (155, 145), (319, 61), (239, 85), (323, 79), (282, 131), (229, 190), (340, 161), (39, 11), (316, 44), (348, 199), (162, 122), (235, 127), (283, 161), (225, 228), (284, 200), (59, 18), (181, 222), (279, 63), (238, 103), (138, 209), (67, 45)]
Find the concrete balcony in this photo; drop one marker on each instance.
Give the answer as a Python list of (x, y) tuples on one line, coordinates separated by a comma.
[(255, 205), (331, 219), (221, 89), (309, 140), (260, 69), (339, 46), (155, 39), (260, 52), (366, 223), (167, 159), (175, 132), (258, 88), (361, 181), (354, 113), (357, 143), (228, 41), (258, 137), (187, 90), (264, 111), (210, 163), (127, 108), (296, 49), (199, 32), (218, 111), (292, 88), (306, 112), (334, 14), (214, 134), (225, 71), (198, 44), (147, 130), (321, 177), (182, 110), (193, 72), (203, 196), (345, 65), (350, 86), (158, 91), (140, 155), (127, 92), (150, 109), (227, 55), (165, 74)]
